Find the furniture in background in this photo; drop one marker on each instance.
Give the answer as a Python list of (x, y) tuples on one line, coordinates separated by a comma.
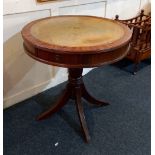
[(76, 42), (141, 38)]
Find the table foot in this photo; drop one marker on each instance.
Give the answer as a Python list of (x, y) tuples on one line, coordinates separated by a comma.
[(91, 99), (81, 115), (60, 103), (75, 89)]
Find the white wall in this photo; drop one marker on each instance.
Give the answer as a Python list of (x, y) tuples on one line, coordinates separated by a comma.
[(25, 77)]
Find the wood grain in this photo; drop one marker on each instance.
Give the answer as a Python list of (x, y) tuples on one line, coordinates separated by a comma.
[(76, 42)]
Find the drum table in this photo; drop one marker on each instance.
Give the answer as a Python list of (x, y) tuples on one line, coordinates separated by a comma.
[(76, 42)]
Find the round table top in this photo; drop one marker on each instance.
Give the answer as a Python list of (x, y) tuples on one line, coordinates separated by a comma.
[(76, 34)]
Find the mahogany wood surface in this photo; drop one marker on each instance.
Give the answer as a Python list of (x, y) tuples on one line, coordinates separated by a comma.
[(95, 52), (76, 42)]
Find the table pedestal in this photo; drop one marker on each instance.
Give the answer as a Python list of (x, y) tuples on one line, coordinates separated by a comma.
[(75, 89)]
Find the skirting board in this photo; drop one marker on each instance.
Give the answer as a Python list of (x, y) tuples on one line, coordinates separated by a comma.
[(25, 94)]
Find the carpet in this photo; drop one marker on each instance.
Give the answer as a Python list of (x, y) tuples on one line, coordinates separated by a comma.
[(122, 128)]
